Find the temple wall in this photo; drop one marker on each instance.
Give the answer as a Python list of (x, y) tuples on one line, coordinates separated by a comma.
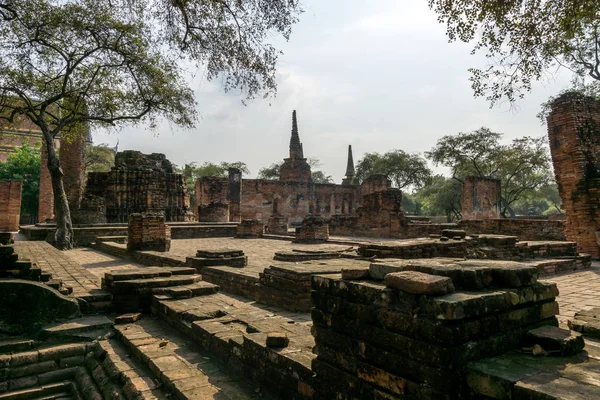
[(574, 135)]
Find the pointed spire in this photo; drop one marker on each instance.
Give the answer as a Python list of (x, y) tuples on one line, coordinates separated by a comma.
[(349, 179), (295, 145)]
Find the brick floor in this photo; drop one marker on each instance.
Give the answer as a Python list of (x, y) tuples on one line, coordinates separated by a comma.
[(578, 291), (61, 266), (99, 263)]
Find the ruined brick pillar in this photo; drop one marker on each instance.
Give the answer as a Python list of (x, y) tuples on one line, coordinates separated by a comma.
[(574, 135), (234, 194), (216, 211), (313, 230), (375, 183), (480, 198), (10, 205), (148, 232), (72, 162), (46, 202)]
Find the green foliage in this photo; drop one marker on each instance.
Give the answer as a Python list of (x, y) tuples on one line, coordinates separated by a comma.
[(99, 158), (404, 169), (524, 40), (410, 204), (272, 171), (24, 165), (522, 166), (441, 196), (194, 171)]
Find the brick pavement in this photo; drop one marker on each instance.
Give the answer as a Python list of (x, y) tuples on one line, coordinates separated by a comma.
[(61, 266), (99, 263), (578, 291)]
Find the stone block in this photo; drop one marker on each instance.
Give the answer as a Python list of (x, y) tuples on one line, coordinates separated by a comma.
[(277, 340), (128, 318), (355, 273), (419, 283), (556, 340)]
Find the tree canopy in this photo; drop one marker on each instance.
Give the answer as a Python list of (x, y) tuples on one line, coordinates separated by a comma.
[(522, 166), (524, 40), (318, 176), (404, 169), (24, 165), (99, 158), (69, 63)]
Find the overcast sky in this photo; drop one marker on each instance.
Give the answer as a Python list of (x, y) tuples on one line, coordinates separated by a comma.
[(379, 75)]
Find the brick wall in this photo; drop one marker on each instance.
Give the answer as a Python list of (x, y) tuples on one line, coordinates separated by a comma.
[(10, 205), (574, 135), (480, 198), (524, 229)]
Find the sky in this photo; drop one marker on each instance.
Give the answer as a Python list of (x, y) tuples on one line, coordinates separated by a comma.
[(378, 75)]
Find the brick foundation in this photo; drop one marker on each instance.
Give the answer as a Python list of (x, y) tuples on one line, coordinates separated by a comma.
[(148, 232), (250, 228), (10, 205), (312, 230), (574, 135), (277, 225)]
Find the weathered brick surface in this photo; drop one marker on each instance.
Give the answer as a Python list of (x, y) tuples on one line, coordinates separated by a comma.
[(376, 342), (141, 183), (72, 161), (312, 230), (148, 232), (574, 135), (480, 198), (10, 205), (524, 229), (250, 228)]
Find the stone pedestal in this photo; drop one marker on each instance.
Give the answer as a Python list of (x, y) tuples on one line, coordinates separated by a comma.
[(148, 232), (213, 212), (277, 225), (312, 230), (250, 228)]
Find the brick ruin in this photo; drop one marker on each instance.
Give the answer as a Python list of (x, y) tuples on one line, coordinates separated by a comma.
[(148, 232), (480, 198), (293, 196), (10, 205), (574, 135), (139, 183)]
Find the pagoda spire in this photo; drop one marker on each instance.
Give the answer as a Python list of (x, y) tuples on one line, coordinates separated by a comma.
[(349, 179), (295, 145)]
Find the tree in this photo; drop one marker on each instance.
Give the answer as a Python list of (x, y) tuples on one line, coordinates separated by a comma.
[(68, 63), (522, 166), (404, 169), (441, 196), (272, 171), (24, 165), (99, 158), (524, 40), (194, 171)]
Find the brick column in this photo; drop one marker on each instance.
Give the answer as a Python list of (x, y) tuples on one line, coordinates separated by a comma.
[(46, 202), (480, 198), (574, 134), (10, 205)]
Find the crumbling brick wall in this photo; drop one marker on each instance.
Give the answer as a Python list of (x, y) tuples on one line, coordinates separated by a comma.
[(574, 135), (46, 202), (10, 205), (480, 198), (141, 183), (148, 232)]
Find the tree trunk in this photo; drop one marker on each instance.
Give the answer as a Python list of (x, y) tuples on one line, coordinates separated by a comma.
[(63, 237)]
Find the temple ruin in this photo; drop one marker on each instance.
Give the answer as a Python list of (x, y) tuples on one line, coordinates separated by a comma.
[(138, 183)]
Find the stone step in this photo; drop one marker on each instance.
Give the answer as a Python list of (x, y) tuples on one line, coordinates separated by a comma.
[(36, 392), (140, 285), (136, 380), (184, 369), (75, 327), (57, 396), (200, 288), (145, 273), (45, 276)]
